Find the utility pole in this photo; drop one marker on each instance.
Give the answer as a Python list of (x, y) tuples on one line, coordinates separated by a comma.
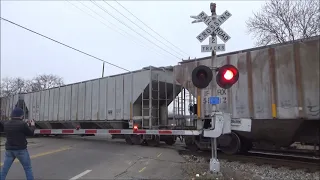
[(214, 162), (102, 69), (213, 15)]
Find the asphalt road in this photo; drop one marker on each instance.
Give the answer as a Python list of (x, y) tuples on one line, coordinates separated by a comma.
[(97, 158)]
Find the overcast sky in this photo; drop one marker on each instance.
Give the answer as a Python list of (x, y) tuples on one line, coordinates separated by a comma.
[(24, 54)]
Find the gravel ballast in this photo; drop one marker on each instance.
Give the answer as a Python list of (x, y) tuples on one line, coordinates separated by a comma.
[(198, 168)]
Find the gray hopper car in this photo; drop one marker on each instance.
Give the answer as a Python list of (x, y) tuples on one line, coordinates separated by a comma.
[(278, 88), (105, 103)]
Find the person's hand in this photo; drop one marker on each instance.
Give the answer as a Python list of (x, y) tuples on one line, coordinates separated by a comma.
[(31, 122)]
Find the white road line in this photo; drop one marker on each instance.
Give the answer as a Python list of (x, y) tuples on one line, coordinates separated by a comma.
[(80, 175)]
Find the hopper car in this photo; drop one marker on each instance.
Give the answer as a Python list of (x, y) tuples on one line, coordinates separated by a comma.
[(277, 90), (137, 99)]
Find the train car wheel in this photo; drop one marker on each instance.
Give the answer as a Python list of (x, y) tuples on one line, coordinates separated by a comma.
[(144, 143), (155, 141), (170, 140), (191, 144), (128, 140), (234, 145), (136, 139)]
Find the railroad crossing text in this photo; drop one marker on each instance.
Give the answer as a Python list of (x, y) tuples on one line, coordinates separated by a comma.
[(209, 48), (213, 26)]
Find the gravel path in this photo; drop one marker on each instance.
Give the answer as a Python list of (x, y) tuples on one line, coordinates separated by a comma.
[(198, 168)]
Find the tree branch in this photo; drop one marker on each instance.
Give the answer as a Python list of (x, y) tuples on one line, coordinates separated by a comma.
[(285, 20)]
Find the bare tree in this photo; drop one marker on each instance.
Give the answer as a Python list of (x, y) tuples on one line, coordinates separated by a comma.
[(10, 86), (44, 81), (6, 87), (285, 20)]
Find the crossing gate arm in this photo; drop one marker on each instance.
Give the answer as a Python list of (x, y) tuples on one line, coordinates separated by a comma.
[(116, 131)]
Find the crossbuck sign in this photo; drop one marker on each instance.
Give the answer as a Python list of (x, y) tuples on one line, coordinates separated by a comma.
[(213, 26)]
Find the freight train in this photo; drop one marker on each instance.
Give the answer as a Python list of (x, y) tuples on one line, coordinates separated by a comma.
[(276, 96)]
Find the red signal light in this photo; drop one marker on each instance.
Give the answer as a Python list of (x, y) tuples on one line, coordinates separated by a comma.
[(135, 127), (227, 76)]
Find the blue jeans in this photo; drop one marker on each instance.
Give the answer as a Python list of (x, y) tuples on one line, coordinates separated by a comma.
[(23, 157)]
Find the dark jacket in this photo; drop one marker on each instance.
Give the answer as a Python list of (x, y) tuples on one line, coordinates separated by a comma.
[(16, 131)]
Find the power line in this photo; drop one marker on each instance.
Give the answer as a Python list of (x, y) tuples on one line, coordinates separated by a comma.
[(141, 27), (129, 35), (133, 29), (62, 44), (150, 28), (89, 14)]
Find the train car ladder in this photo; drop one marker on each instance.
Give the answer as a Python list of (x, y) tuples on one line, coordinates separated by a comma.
[(153, 102)]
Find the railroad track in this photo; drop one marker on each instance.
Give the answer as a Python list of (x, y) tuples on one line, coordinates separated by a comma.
[(303, 152), (294, 161), (276, 160)]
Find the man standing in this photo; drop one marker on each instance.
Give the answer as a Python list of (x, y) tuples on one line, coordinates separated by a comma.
[(16, 131)]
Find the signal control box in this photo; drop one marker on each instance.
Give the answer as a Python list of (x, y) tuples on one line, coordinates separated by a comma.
[(220, 124)]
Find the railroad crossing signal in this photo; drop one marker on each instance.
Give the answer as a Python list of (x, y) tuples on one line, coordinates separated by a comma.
[(202, 75), (213, 22), (213, 26), (227, 76)]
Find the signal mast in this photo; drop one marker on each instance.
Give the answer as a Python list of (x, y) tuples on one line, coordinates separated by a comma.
[(226, 77)]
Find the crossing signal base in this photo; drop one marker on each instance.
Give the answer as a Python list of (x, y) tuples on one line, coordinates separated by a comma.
[(221, 123)]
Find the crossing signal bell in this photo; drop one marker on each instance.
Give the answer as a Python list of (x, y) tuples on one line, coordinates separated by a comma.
[(201, 76), (227, 76)]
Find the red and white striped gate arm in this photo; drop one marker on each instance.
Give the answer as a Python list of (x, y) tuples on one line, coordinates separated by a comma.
[(117, 131)]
